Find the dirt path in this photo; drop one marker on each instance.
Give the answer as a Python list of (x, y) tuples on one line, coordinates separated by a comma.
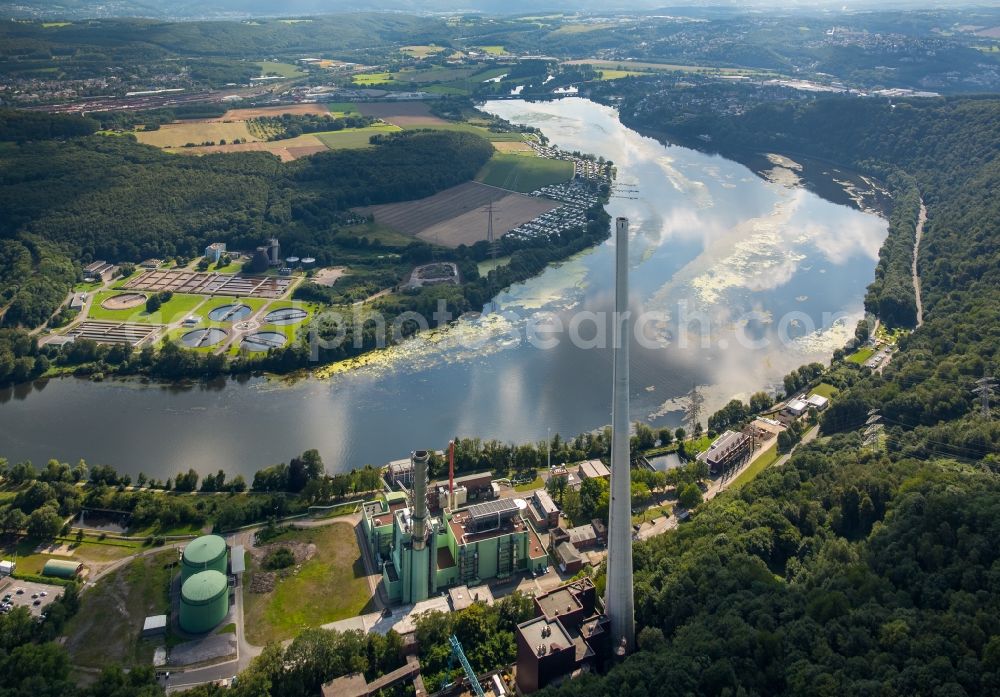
[(916, 253)]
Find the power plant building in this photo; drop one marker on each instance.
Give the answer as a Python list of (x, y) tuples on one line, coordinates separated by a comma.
[(423, 554)]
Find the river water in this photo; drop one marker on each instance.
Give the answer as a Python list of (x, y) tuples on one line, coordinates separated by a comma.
[(738, 280)]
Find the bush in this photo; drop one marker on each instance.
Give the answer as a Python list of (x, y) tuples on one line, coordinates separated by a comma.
[(280, 558)]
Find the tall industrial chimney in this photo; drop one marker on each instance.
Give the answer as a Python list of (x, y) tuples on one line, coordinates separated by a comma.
[(419, 534), (619, 602)]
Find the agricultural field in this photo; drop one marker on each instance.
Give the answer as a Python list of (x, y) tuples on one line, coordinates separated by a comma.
[(377, 232), (247, 113), (352, 137), (524, 172), (510, 146), (122, 600), (402, 114), (287, 149), (368, 79), (493, 50), (299, 596), (339, 109), (457, 215), (421, 51), (618, 74), (177, 135), (280, 69)]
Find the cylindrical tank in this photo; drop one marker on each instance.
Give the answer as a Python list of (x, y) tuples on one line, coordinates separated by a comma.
[(308, 262), (204, 553), (204, 601)]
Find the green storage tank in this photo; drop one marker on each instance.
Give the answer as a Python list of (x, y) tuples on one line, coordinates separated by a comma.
[(204, 601), (206, 553)]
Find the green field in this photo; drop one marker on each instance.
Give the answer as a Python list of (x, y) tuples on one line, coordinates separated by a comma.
[(765, 460), (372, 79), (374, 231), (353, 137), (421, 51), (524, 173), (861, 355), (618, 74), (492, 50), (121, 600), (280, 69), (304, 596), (176, 309), (825, 390), (342, 108), (631, 66), (472, 128)]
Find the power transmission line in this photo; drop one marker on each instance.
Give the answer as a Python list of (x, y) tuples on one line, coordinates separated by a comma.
[(984, 388)]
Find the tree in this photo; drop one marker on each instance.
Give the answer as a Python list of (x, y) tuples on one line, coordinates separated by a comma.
[(572, 506), (44, 523), (665, 436), (680, 434), (556, 486), (690, 496), (153, 304)]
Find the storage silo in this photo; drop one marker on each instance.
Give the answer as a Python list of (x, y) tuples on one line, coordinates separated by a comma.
[(204, 601), (204, 553)]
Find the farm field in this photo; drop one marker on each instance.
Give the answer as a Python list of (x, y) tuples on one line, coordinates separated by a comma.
[(177, 135), (618, 74), (861, 355), (372, 78), (492, 50), (382, 233), (287, 149), (457, 215), (121, 599), (281, 69), (402, 114), (524, 172), (421, 51), (256, 112), (478, 130), (301, 595), (512, 146), (352, 137), (339, 108)]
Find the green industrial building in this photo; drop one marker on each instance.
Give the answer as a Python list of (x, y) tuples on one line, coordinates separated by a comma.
[(205, 553), (204, 601), (421, 555)]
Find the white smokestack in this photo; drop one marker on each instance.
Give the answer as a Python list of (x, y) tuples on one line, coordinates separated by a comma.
[(618, 599)]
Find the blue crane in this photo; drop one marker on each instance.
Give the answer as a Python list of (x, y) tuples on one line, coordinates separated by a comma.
[(457, 652)]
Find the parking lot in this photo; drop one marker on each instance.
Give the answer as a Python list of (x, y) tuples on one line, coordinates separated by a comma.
[(31, 593)]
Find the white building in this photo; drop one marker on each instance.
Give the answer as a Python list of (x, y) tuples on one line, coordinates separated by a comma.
[(818, 401), (797, 407), (214, 251)]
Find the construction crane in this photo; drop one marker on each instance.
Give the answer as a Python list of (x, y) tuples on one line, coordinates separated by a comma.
[(458, 654)]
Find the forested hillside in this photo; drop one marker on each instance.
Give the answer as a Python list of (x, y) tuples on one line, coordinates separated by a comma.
[(71, 201), (849, 571)]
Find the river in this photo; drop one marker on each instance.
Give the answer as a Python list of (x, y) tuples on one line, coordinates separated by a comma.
[(713, 245)]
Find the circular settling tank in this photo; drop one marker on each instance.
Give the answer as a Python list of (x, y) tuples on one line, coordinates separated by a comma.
[(199, 338), (230, 313), (204, 553), (287, 315), (262, 341), (204, 601), (123, 301)]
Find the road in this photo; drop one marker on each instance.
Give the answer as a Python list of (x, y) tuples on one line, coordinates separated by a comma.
[(921, 219)]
